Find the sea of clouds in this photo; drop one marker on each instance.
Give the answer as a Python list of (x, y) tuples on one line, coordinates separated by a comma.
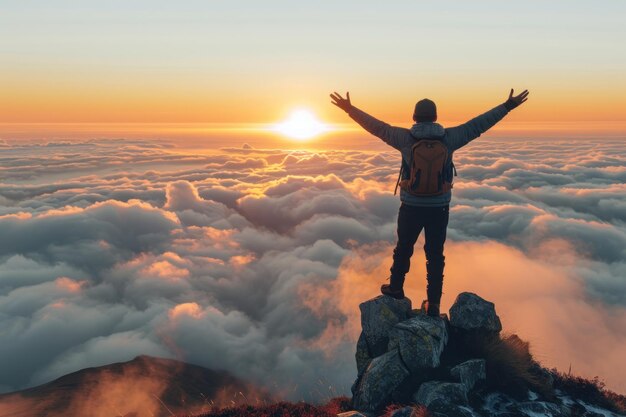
[(255, 260)]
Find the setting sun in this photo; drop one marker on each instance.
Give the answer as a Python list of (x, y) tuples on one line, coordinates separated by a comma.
[(301, 124)]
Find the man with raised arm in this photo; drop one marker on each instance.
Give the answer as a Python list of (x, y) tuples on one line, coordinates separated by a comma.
[(425, 183)]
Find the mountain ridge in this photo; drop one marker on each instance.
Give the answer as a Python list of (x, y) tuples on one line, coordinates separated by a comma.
[(157, 386)]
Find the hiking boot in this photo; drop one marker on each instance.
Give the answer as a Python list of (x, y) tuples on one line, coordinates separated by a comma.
[(387, 290), (430, 309)]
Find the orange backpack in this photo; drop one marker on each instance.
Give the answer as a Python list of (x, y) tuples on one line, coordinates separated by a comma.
[(430, 169)]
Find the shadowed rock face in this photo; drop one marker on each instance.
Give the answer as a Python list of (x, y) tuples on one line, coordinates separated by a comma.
[(469, 373), (406, 412), (395, 345), (384, 374), (437, 391), (421, 340), (378, 316), (362, 355), (443, 408), (472, 313)]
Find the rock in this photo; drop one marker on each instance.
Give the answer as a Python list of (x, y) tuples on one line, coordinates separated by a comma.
[(362, 355), (472, 313), (441, 408), (542, 408), (577, 410), (470, 372), (405, 412), (353, 414), (444, 392), (355, 385), (420, 340), (384, 374), (404, 393), (378, 316), (593, 414), (496, 402)]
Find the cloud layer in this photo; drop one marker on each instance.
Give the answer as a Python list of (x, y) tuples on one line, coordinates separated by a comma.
[(255, 260)]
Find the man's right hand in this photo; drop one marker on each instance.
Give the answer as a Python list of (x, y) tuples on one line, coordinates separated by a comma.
[(515, 101), (343, 103)]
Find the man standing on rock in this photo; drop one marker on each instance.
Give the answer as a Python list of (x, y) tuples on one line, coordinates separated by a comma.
[(425, 183)]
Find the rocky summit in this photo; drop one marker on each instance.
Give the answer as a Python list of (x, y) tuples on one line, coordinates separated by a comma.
[(472, 313), (456, 366)]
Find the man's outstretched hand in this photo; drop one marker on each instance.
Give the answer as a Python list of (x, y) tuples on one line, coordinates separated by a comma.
[(343, 103), (515, 101)]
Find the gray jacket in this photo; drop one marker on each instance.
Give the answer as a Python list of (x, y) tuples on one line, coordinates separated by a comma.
[(403, 139)]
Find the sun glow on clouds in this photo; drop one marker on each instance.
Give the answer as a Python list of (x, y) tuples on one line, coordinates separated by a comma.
[(301, 125), (186, 309)]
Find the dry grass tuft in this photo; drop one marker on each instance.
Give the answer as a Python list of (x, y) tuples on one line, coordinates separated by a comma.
[(511, 368), (338, 405), (284, 409)]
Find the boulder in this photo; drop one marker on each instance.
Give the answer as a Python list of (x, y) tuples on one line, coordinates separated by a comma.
[(404, 393), (353, 414), (576, 409), (542, 408), (362, 355), (440, 408), (383, 375), (420, 340), (496, 402), (441, 392), (355, 385), (472, 313), (405, 412), (470, 373), (378, 316), (593, 414)]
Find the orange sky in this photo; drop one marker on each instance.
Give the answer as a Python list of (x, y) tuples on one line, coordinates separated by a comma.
[(94, 103), (162, 63)]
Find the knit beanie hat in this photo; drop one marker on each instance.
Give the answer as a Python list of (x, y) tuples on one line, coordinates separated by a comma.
[(425, 111)]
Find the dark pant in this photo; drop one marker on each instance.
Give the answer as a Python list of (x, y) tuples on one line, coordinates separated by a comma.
[(411, 221)]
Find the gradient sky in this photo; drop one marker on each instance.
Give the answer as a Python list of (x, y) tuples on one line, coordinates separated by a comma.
[(254, 257), (248, 61)]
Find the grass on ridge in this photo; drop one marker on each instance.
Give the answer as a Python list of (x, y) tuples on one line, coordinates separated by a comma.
[(284, 409)]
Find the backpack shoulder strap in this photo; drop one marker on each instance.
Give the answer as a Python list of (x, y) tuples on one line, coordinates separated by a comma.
[(403, 167)]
